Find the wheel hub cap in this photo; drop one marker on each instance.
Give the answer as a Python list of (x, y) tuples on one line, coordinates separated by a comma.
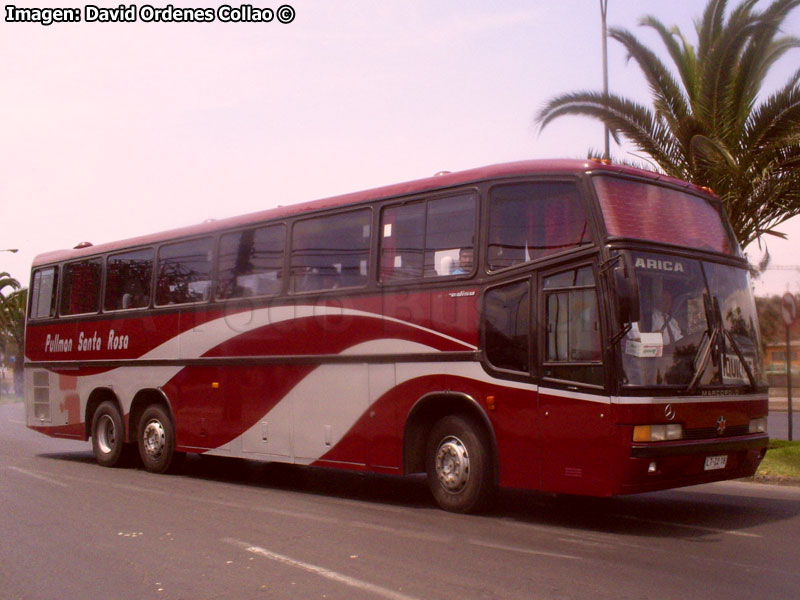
[(452, 464), (154, 439), (106, 434)]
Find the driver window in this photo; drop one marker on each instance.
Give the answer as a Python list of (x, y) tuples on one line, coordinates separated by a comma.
[(573, 350)]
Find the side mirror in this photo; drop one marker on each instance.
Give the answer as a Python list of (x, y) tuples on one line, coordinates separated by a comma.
[(626, 289)]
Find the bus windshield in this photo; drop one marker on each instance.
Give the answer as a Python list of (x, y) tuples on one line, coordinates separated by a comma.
[(635, 209), (697, 327)]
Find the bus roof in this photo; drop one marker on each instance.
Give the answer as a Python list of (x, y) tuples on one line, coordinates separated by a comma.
[(440, 181)]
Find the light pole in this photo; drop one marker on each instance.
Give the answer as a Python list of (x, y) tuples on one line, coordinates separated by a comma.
[(604, 14)]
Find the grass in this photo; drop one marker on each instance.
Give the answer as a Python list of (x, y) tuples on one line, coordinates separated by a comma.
[(782, 462)]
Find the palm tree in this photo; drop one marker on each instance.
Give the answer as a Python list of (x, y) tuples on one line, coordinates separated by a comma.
[(7, 281), (706, 124), (12, 331), (12, 324)]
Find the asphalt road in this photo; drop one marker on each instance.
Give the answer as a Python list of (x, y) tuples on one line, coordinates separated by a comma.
[(778, 423), (226, 529)]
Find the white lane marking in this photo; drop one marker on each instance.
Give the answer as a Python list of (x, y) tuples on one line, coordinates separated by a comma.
[(321, 571), (523, 550), (688, 526), (17, 422), (37, 476)]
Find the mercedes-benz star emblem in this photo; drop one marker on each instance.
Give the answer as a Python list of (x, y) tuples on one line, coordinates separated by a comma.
[(669, 412), (722, 425)]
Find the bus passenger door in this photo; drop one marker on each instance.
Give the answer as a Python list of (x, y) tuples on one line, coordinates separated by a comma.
[(574, 409)]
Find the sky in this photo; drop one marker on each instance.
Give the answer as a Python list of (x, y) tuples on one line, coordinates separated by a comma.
[(110, 130)]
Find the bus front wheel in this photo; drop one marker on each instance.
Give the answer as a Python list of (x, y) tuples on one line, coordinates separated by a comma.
[(157, 440), (459, 465)]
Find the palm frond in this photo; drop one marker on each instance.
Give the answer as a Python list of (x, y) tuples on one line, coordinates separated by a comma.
[(668, 98), (634, 121), (709, 27), (776, 121), (682, 54), (718, 73)]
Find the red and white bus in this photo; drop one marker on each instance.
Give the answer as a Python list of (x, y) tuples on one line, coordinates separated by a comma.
[(567, 326)]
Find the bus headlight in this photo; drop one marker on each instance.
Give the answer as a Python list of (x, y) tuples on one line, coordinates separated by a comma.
[(758, 425), (657, 433)]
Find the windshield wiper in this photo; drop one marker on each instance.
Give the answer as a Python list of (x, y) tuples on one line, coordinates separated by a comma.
[(713, 332), (717, 331), (705, 352)]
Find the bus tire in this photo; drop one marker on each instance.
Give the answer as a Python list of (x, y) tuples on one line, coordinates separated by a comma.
[(157, 441), (459, 465), (108, 435)]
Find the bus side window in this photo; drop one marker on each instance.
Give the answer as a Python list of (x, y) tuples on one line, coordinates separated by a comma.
[(528, 221), (184, 272), (402, 242), (433, 238), (331, 251), (43, 293), (449, 232), (128, 280), (572, 327), (507, 326), (251, 262), (80, 293)]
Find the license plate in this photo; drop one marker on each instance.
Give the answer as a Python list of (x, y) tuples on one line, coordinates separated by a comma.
[(716, 462)]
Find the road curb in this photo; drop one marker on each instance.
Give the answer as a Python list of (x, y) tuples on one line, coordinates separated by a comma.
[(773, 480)]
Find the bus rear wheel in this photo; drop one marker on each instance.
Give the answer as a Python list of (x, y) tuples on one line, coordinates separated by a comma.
[(459, 465), (108, 435), (157, 441)]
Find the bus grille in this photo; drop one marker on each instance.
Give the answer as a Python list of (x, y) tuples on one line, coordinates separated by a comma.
[(707, 433)]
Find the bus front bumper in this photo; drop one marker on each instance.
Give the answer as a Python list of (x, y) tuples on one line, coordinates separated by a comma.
[(717, 446), (658, 466)]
